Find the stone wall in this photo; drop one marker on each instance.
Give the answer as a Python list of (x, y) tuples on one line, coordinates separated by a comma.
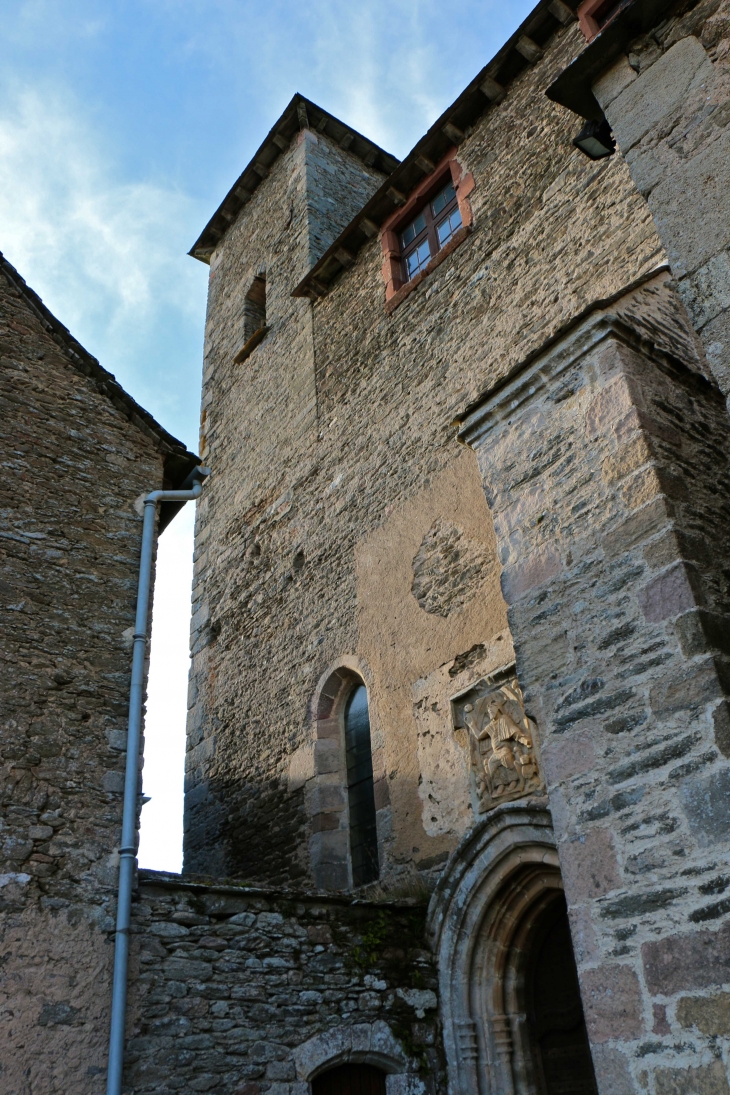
[(668, 100), (258, 419), (337, 473), (251, 991), (606, 470), (77, 453)]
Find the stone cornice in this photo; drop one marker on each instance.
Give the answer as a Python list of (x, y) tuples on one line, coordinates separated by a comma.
[(572, 341)]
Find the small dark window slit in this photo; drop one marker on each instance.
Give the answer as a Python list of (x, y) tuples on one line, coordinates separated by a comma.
[(254, 318), (360, 791)]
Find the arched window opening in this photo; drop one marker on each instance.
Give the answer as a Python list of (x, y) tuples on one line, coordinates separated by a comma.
[(558, 1036), (360, 791), (254, 317), (350, 1080)]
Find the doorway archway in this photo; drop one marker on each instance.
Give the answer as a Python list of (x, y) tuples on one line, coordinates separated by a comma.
[(350, 1080), (498, 924)]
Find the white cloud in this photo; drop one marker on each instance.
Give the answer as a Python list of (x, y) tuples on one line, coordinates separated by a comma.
[(107, 255)]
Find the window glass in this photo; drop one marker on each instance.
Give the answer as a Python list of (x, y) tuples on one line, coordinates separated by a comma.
[(417, 259), (448, 194), (430, 231), (360, 791), (446, 228), (413, 230)]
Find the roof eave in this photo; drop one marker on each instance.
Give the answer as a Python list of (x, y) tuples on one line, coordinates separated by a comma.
[(485, 91), (300, 113)]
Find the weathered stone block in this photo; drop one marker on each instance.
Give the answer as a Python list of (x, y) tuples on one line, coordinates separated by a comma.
[(589, 866), (706, 293), (689, 960), (657, 93), (706, 803), (627, 459), (612, 1003), (694, 231), (538, 568), (609, 407), (706, 1080), (613, 81), (667, 595), (612, 1071), (709, 1014), (624, 535)]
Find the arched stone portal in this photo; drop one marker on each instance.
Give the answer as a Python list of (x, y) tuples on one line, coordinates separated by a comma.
[(498, 925)]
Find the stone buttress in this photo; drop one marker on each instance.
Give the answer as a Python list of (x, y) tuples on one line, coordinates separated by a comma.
[(605, 464)]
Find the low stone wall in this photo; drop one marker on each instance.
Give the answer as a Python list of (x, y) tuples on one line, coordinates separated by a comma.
[(240, 991)]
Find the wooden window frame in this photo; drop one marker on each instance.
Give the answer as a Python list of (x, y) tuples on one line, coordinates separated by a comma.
[(449, 169), (429, 233)]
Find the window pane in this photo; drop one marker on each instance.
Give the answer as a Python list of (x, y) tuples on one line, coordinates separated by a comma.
[(442, 200), (413, 230), (417, 259), (360, 793), (448, 226)]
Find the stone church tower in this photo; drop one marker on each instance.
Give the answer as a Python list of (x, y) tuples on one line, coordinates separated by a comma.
[(457, 784)]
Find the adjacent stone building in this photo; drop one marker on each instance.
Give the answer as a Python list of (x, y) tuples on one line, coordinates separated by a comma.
[(78, 454), (457, 777)]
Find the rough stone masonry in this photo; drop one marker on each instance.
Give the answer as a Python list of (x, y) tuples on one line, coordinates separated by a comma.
[(346, 539), (539, 615)]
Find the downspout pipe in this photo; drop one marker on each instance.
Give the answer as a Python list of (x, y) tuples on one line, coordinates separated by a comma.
[(128, 849)]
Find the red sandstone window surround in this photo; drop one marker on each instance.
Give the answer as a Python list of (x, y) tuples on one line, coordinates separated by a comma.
[(435, 219), (594, 15)]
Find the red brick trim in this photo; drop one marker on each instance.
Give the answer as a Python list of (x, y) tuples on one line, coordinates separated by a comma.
[(396, 289)]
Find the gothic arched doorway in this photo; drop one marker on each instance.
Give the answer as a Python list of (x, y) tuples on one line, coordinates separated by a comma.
[(499, 925)]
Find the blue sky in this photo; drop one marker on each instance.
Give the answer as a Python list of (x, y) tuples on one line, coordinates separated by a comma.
[(122, 125)]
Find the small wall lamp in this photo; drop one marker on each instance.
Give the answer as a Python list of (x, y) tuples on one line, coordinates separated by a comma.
[(596, 140)]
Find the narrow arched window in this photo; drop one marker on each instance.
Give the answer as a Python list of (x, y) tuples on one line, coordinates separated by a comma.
[(360, 791)]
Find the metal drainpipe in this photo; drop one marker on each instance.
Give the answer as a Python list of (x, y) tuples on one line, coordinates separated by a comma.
[(128, 850)]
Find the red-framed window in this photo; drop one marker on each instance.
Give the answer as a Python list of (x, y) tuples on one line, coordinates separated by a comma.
[(434, 220), (431, 230), (594, 15)]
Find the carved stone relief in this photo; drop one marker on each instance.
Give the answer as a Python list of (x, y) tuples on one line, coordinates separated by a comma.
[(500, 739)]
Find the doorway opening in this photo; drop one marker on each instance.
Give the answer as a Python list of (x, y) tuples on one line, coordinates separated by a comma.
[(353, 1079), (557, 1031), (510, 1000)]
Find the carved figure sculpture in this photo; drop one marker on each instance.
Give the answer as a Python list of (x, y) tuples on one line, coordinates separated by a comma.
[(501, 737)]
